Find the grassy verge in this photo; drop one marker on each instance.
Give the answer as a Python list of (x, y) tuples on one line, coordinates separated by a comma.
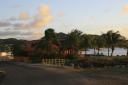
[(102, 76), (102, 62)]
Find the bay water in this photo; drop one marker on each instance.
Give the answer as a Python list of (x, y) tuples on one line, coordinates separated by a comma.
[(104, 51)]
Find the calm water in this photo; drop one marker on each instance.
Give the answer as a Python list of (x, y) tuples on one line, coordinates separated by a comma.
[(117, 51)]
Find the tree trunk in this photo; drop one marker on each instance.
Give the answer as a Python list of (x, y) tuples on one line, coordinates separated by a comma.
[(67, 51), (60, 52), (94, 51), (112, 50), (85, 52), (127, 51), (108, 51), (98, 51)]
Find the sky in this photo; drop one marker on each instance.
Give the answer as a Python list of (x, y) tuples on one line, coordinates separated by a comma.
[(28, 19)]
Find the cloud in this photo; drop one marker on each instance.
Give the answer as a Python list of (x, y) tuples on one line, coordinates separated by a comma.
[(14, 33), (16, 6), (125, 8), (60, 14), (25, 25), (35, 35), (22, 26), (92, 18), (24, 16), (21, 34), (43, 17), (5, 24), (123, 30), (12, 18)]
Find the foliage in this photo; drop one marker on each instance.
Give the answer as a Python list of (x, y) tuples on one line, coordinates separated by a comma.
[(112, 39), (85, 42), (5, 47), (72, 57), (53, 46), (103, 61), (18, 49), (73, 41), (49, 44)]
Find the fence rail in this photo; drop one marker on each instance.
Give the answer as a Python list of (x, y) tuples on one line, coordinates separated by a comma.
[(57, 62)]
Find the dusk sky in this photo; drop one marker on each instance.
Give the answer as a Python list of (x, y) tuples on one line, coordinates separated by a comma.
[(28, 19)]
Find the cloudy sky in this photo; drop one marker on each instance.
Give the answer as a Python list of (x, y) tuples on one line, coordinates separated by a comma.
[(27, 19)]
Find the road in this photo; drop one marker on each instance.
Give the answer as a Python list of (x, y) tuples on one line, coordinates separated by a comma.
[(22, 75), (27, 75)]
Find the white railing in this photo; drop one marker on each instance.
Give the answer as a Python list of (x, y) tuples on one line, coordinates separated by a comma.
[(56, 62)]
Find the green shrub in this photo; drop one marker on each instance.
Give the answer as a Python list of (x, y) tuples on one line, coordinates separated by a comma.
[(72, 57)]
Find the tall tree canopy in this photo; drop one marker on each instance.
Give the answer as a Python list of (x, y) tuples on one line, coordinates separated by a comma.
[(112, 39), (49, 43), (73, 41)]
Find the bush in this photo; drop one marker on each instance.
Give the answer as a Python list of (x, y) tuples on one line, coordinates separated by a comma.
[(72, 57), (98, 61), (36, 58), (103, 61)]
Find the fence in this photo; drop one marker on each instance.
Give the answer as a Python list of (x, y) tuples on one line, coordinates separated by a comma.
[(56, 62)]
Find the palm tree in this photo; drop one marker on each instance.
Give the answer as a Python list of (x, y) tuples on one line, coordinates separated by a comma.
[(99, 43), (124, 44), (62, 38), (112, 39), (93, 40), (73, 41), (107, 42), (85, 42)]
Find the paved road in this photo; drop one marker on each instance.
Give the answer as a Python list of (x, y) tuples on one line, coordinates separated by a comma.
[(20, 75)]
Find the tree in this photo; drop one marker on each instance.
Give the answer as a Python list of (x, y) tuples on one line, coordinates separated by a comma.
[(99, 43), (18, 50), (93, 42), (5, 47), (62, 38), (112, 39), (124, 44), (49, 44), (85, 42), (73, 41)]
